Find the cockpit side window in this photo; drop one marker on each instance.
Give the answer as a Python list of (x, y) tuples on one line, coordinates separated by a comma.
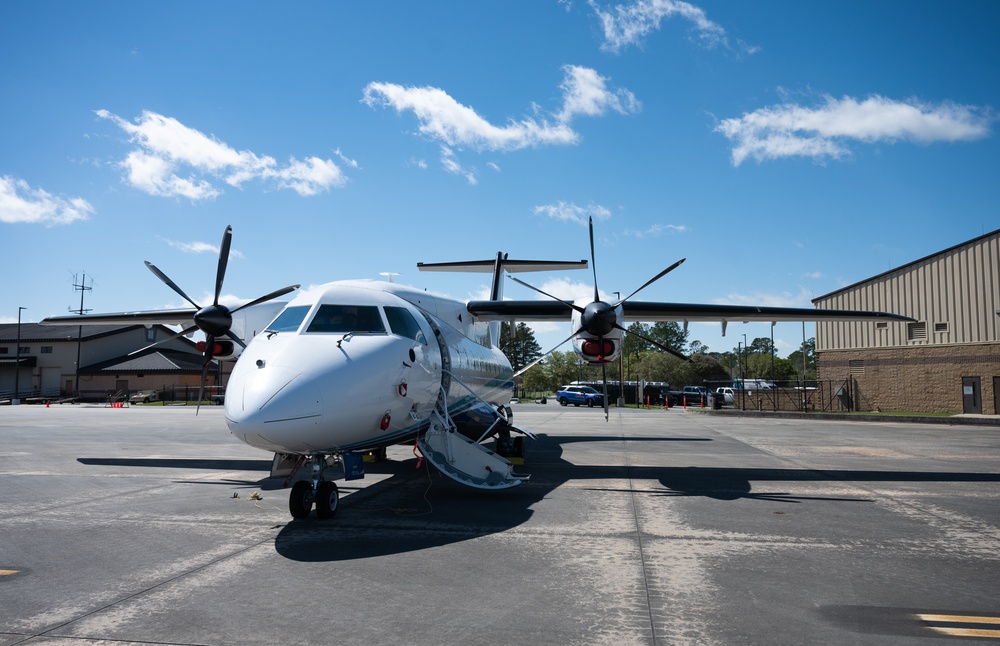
[(290, 319), (402, 323), (359, 319)]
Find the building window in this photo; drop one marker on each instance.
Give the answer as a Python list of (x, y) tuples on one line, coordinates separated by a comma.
[(881, 325), (4, 350), (46, 349), (150, 334), (25, 350), (916, 331)]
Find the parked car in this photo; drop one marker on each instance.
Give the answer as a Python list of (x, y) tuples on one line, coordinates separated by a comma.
[(727, 393), (143, 397), (577, 395)]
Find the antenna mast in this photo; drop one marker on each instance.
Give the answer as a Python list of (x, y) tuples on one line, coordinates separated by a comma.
[(82, 287)]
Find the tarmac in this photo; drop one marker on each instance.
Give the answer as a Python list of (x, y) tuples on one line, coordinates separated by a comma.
[(120, 526)]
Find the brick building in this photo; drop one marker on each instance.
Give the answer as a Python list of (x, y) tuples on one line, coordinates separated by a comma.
[(947, 360)]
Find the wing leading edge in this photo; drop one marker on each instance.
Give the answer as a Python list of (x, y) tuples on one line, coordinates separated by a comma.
[(151, 317), (653, 311)]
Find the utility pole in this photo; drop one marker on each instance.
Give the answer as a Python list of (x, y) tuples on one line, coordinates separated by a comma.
[(83, 288)]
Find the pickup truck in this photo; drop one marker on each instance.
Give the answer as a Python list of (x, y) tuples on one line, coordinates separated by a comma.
[(695, 394)]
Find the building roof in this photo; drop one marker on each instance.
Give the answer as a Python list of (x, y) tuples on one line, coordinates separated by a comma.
[(903, 268), (151, 361)]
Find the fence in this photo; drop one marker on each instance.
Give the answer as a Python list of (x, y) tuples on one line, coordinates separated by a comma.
[(821, 396), (168, 393)]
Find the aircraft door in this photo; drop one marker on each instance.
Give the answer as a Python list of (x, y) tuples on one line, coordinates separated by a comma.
[(972, 400)]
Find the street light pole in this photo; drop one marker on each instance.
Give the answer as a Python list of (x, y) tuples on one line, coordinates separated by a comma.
[(17, 361)]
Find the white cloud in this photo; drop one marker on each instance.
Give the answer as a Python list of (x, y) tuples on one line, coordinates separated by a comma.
[(585, 92), (166, 148), (785, 299), (826, 130), (656, 230), (451, 164), (626, 25), (21, 203), (569, 290), (200, 247), (444, 119), (569, 212)]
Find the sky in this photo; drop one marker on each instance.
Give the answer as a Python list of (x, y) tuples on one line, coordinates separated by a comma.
[(786, 149)]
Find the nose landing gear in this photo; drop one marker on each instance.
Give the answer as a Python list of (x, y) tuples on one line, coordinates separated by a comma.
[(323, 493)]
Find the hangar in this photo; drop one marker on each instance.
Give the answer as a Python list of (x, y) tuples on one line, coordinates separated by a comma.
[(41, 360), (946, 361)]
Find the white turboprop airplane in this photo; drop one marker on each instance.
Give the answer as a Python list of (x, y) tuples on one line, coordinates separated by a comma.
[(354, 366)]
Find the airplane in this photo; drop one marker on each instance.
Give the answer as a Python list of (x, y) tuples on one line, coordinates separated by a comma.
[(354, 366)]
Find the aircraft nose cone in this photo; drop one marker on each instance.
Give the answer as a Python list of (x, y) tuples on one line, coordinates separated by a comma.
[(274, 402)]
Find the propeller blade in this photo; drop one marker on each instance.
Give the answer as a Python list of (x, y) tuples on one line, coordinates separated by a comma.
[(653, 280), (604, 380), (184, 332), (227, 240), (536, 361), (236, 339), (209, 354), (171, 284), (566, 303), (652, 342), (263, 299), (593, 260)]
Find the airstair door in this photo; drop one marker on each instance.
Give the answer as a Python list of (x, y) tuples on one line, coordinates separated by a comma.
[(972, 400)]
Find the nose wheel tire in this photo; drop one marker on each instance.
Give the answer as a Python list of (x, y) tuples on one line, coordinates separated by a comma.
[(327, 499), (300, 501)]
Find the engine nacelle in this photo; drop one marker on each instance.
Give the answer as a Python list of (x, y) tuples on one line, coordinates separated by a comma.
[(223, 350), (596, 351)]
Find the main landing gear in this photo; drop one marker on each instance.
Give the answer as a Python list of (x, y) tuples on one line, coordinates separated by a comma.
[(323, 493)]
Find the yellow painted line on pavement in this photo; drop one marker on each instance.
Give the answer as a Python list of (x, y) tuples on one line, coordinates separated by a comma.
[(962, 619), (955, 631), (7, 572)]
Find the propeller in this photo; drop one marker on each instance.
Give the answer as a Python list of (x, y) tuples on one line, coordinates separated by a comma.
[(599, 317), (215, 320)]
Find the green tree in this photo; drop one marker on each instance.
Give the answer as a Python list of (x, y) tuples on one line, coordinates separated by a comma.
[(521, 347), (795, 358), (632, 344), (669, 334)]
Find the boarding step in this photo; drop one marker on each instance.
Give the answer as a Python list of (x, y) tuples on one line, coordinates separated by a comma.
[(465, 461)]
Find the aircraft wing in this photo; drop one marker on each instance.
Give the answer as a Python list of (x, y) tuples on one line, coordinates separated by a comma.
[(183, 317), (541, 310)]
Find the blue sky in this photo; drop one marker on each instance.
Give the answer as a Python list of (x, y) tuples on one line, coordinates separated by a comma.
[(786, 149)]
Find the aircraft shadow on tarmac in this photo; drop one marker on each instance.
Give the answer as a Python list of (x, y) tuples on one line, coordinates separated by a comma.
[(415, 510)]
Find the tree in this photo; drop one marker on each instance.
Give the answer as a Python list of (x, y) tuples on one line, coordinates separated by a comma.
[(697, 347), (669, 334), (522, 349), (810, 355), (632, 344)]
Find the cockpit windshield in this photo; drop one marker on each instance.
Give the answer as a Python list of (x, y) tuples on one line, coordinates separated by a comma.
[(290, 319), (357, 319)]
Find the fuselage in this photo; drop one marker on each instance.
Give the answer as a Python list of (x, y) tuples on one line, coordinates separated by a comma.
[(355, 365)]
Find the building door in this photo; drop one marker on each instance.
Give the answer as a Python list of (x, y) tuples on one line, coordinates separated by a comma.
[(972, 401), (996, 395)]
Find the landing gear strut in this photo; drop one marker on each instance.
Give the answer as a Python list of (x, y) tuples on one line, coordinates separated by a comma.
[(323, 493)]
